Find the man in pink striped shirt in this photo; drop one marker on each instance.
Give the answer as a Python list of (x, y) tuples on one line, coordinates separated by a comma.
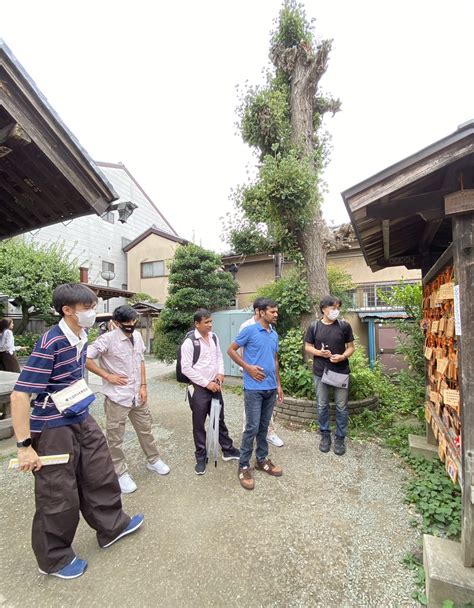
[(207, 377)]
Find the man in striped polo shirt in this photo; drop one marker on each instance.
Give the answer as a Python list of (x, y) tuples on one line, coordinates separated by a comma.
[(87, 484)]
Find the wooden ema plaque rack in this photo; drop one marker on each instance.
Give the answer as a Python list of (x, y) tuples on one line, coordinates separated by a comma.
[(443, 405)]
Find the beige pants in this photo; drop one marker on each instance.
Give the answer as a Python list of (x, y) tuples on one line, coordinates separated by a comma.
[(271, 426), (116, 418)]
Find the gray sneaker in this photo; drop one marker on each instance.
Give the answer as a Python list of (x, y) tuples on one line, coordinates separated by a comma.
[(200, 467), (325, 443), (339, 446)]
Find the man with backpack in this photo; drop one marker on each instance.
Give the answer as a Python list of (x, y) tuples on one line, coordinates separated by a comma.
[(201, 364), (331, 342)]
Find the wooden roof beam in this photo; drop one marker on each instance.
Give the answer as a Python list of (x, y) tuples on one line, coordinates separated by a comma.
[(428, 202), (428, 235), (386, 238), (14, 134)]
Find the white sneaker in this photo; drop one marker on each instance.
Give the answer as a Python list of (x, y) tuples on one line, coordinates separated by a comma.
[(275, 440), (159, 467), (127, 485)]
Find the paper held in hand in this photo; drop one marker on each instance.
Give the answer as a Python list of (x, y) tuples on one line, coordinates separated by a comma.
[(45, 460)]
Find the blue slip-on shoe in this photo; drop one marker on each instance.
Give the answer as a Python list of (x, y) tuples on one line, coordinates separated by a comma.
[(134, 524), (76, 568)]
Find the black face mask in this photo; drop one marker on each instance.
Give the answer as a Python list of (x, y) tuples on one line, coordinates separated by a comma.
[(128, 329)]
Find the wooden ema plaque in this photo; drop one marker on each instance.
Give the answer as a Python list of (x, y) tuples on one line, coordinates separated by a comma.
[(443, 408)]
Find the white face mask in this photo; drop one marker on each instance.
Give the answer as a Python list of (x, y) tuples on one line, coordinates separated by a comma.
[(333, 314), (86, 318)]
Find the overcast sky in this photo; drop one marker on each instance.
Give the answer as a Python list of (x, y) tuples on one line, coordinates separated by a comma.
[(152, 84)]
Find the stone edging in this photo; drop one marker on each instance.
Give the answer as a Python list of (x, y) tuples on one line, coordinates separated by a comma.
[(303, 411)]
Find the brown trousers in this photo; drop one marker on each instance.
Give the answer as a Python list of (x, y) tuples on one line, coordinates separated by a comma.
[(9, 363), (116, 417), (86, 484)]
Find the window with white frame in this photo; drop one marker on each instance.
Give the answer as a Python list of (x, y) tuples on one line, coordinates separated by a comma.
[(108, 216), (375, 295), (108, 267), (351, 298), (151, 270)]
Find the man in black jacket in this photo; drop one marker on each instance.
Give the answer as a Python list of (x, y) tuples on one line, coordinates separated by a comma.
[(331, 343)]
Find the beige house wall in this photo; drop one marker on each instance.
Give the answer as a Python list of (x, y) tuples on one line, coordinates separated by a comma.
[(257, 271), (359, 328), (252, 275), (152, 249), (353, 262)]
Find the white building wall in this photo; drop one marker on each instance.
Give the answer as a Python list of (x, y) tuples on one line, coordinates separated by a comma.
[(90, 240)]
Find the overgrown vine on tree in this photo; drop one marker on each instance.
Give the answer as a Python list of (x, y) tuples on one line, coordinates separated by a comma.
[(281, 120)]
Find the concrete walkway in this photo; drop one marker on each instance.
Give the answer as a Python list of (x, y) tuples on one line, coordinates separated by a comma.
[(331, 532)]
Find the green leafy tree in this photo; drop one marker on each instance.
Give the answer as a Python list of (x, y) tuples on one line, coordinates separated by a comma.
[(340, 284), (29, 274), (244, 236), (410, 346), (291, 294), (141, 297), (196, 280), (281, 120)]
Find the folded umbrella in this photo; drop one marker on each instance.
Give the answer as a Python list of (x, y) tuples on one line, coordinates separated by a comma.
[(212, 440)]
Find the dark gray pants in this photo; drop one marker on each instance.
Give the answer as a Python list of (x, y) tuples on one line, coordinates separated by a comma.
[(87, 484), (200, 404)]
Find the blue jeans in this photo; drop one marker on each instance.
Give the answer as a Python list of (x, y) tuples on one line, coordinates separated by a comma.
[(258, 413), (341, 397)]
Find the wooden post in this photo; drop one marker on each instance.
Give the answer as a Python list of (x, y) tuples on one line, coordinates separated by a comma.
[(460, 206)]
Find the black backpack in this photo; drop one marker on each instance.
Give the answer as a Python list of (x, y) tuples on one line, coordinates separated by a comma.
[(180, 377)]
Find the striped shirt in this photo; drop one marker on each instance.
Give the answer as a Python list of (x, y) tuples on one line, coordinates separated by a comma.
[(54, 364)]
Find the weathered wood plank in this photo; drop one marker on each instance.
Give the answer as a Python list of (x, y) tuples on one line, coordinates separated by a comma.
[(386, 238), (459, 202), (428, 202), (441, 262), (428, 235), (417, 171), (14, 134), (463, 254), (65, 157)]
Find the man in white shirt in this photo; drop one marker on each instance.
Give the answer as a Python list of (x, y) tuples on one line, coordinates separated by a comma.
[(272, 437), (207, 377), (122, 367)]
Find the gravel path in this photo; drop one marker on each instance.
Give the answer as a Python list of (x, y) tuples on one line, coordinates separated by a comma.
[(331, 532)]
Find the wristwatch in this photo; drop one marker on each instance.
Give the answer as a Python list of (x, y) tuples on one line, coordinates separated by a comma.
[(25, 443)]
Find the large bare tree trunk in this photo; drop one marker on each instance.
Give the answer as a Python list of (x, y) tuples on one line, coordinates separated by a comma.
[(21, 326), (304, 68)]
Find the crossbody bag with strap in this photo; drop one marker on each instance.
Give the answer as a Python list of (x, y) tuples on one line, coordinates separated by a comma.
[(329, 377)]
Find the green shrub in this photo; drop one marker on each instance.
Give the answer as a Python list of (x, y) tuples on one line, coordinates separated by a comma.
[(340, 284), (165, 344), (291, 294), (297, 377), (93, 334), (28, 340), (196, 280)]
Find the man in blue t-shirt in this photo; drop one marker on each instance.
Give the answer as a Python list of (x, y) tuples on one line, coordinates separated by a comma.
[(87, 483), (261, 387)]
